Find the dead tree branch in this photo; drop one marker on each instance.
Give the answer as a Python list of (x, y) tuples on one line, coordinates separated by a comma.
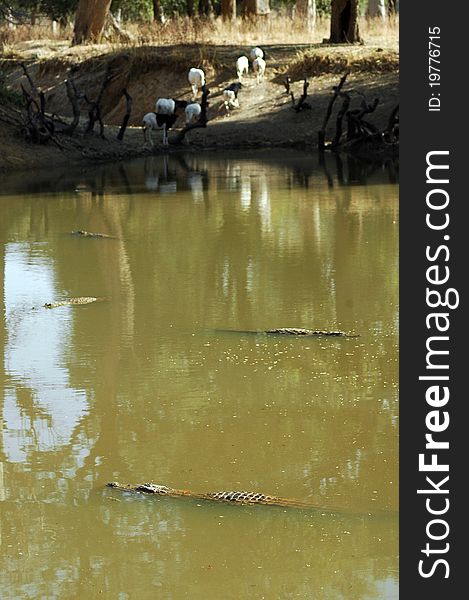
[(38, 130), (322, 132), (302, 104), (391, 133), (203, 119), (73, 97), (125, 121), (94, 108), (32, 85), (357, 127), (340, 116), (363, 138)]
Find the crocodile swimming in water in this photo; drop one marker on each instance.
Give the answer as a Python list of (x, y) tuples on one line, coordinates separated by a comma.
[(295, 331), (73, 301), (231, 497), (243, 498), (83, 233)]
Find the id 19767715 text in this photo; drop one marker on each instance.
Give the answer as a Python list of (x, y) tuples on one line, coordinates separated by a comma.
[(434, 69)]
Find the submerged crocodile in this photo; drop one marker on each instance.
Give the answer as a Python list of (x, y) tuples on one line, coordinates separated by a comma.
[(294, 331), (232, 497), (84, 233), (73, 301)]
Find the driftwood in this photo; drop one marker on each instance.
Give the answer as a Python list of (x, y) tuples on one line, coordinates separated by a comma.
[(72, 95), (94, 108), (125, 121), (340, 116), (201, 122), (356, 125), (42, 127), (39, 127), (322, 132), (363, 138), (302, 104), (391, 133), (34, 90), (34, 131)]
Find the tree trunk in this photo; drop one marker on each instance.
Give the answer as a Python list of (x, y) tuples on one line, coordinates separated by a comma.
[(249, 7), (228, 10), (33, 15), (344, 22), (305, 11), (158, 14), (376, 9), (89, 20), (255, 7), (205, 8), (190, 8)]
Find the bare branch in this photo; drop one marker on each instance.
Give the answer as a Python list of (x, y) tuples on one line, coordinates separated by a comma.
[(30, 80), (202, 122), (128, 98), (322, 132)]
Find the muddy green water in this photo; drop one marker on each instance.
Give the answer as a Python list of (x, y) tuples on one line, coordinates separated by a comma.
[(145, 387)]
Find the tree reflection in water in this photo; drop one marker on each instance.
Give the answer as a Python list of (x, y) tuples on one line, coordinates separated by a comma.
[(142, 387)]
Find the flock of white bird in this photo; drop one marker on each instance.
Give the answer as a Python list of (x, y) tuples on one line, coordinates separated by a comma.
[(168, 110)]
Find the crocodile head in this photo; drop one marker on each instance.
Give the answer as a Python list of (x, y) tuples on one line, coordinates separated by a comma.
[(153, 488), (148, 488)]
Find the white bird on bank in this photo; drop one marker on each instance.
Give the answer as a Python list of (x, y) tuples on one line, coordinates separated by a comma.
[(192, 111), (256, 52), (258, 66), (242, 66), (196, 78)]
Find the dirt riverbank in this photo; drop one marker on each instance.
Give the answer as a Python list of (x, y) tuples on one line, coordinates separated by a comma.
[(265, 117)]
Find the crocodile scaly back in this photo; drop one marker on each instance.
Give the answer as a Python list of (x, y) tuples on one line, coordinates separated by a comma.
[(242, 497), (72, 301), (308, 332)]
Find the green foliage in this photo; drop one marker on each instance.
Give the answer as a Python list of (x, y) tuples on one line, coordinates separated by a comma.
[(134, 10), (25, 10), (323, 7), (58, 9), (137, 10)]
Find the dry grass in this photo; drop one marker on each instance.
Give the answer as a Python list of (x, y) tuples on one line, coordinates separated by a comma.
[(277, 29), (163, 51), (9, 36), (358, 59)]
